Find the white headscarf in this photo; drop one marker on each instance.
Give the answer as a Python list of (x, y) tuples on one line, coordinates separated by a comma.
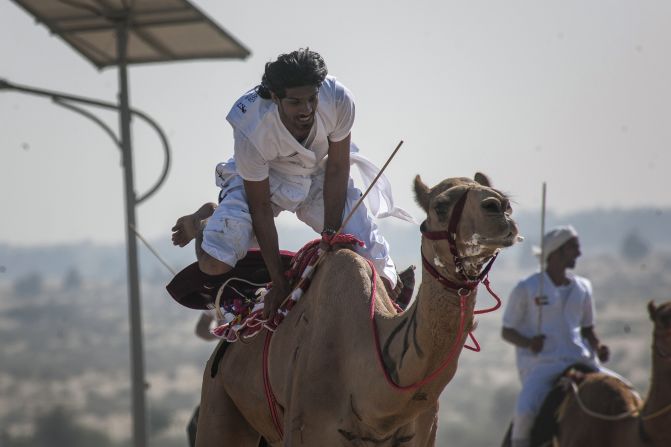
[(554, 239)]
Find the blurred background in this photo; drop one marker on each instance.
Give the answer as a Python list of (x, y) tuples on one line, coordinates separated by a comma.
[(573, 94)]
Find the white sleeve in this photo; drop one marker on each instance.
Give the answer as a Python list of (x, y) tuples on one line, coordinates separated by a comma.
[(248, 160), (516, 309), (587, 319), (344, 102)]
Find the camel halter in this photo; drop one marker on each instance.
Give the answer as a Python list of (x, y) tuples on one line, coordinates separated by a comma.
[(466, 287), (464, 290)]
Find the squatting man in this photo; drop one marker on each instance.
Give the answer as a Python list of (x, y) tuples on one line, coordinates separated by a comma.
[(292, 152)]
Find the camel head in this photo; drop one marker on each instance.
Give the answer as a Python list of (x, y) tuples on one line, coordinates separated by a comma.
[(484, 227), (661, 317)]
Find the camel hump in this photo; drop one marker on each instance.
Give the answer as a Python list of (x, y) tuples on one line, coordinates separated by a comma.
[(346, 264), (348, 277)]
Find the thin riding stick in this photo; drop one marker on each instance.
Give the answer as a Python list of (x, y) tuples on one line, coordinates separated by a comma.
[(351, 213), (360, 201), (151, 249), (540, 301)]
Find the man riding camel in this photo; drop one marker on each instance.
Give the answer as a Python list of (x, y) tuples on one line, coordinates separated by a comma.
[(292, 151), (553, 331)]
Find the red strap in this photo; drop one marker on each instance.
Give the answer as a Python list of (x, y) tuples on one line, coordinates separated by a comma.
[(494, 295), (463, 290), (450, 357), (270, 396), (470, 285)]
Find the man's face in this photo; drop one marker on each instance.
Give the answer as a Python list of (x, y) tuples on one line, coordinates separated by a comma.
[(569, 252), (297, 109)]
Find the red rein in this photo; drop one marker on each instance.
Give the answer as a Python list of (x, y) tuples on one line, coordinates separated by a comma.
[(454, 350), (463, 291)]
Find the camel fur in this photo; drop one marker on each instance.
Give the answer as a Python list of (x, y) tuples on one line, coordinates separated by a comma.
[(323, 367), (649, 423)]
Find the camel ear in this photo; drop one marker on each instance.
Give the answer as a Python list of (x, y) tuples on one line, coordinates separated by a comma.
[(482, 179), (422, 194), (652, 309)]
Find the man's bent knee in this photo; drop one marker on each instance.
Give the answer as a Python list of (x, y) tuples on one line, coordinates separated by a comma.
[(211, 266)]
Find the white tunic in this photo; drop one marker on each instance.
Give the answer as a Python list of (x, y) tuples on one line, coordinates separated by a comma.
[(264, 148), (565, 310), (562, 319)]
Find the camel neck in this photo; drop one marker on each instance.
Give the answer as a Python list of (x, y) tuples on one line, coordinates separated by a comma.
[(418, 342), (660, 382)]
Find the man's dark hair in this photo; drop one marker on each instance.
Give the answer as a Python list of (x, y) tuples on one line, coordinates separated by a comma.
[(295, 69)]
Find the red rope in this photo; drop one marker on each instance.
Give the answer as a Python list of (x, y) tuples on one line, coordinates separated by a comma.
[(475, 348), (303, 259), (270, 396), (306, 256), (494, 295), (453, 351)]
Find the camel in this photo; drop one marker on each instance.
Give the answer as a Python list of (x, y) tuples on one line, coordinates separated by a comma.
[(634, 424), (324, 368)]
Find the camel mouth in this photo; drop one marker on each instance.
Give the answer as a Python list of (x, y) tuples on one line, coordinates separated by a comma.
[(506, 241)]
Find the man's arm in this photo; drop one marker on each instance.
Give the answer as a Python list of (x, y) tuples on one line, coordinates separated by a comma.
[(602, 351), (513, 316), (535, 344), (335, 183), (263, 223), (203, 327)]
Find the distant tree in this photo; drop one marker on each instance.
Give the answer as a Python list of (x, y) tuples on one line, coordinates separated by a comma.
[(72, 280), (159, 420), (58, 428), (30, 285), (634, 247)]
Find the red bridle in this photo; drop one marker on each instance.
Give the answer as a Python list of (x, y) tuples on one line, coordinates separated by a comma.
[(451, 237), (463, 289)]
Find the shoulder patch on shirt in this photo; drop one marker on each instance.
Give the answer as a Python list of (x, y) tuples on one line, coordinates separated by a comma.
[(251, 97), (541, 300)]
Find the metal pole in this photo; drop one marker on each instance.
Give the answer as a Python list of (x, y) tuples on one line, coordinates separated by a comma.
[(134, 315), (541, 301)]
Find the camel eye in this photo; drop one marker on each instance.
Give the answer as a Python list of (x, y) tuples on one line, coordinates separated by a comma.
[(442, 208), (491, 205)]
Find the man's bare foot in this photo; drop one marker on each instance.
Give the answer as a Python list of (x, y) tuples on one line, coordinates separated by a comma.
[(185, 229)]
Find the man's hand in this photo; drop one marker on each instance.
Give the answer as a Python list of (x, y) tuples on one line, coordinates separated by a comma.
[(536, 343), (327, 237), (603, 352), (274, 298)]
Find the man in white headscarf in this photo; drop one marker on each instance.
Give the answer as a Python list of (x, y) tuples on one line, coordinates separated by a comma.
[(551, 330)]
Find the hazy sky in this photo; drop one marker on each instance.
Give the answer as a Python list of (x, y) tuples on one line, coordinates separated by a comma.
[(574, 93)]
